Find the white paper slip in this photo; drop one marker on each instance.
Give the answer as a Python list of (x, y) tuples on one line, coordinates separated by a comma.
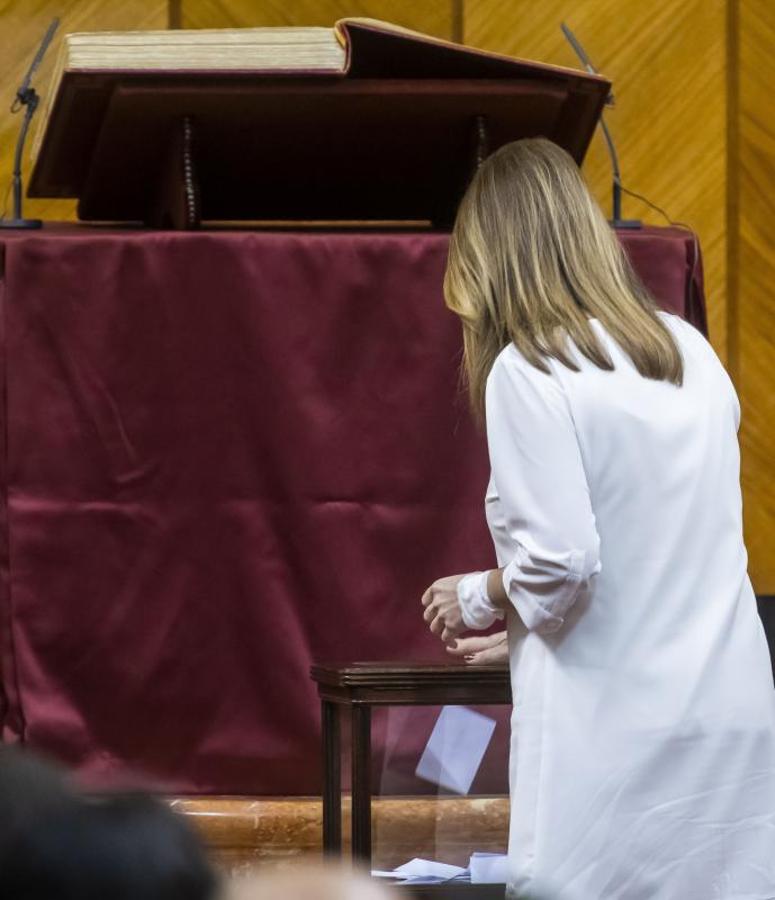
[(428, 870), (455, 748), (488, 868)]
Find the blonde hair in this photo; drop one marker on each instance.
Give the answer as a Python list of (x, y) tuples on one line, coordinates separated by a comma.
[(532, 259)]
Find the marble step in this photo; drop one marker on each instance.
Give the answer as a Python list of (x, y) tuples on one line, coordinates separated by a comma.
[(245, 833)]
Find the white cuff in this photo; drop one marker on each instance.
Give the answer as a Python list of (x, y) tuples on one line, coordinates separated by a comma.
[(476, 609)]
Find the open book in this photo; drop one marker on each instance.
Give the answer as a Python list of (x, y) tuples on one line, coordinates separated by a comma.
[(248, 49)]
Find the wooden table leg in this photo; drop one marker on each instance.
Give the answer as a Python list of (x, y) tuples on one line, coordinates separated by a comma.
[(361, 784), (332, 791)]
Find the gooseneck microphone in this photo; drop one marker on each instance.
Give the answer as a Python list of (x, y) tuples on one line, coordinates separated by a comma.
[(26, 96), (616, 218)]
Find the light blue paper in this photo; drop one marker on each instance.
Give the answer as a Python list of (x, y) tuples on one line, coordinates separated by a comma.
[(456, 748)]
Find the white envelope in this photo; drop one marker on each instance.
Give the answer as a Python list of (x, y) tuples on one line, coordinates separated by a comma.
[(428, 871), (455, 749), (488, 868)]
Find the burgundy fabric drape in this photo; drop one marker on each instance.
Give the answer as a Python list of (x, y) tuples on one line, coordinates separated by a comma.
[(225, 455)]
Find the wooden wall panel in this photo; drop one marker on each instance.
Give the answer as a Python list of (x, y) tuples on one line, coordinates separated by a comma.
[(667, 64), (22, 26), (753, 215), (435, 17)]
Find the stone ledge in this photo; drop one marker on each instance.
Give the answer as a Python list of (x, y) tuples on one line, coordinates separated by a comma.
[(248, 832)]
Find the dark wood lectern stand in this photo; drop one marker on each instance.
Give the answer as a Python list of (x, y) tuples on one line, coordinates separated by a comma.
[(394, 136)]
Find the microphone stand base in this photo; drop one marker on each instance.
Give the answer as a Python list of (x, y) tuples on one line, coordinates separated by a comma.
[(21, 223), (625, 223)]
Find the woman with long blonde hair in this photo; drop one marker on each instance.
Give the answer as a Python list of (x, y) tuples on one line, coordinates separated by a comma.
[(643, 732)]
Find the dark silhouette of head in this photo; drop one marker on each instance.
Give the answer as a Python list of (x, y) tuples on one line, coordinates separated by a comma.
[(112, 847), (31, 790)]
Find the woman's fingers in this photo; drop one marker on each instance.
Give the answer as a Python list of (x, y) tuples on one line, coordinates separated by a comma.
[(490, 656), (465, 646), (487, 650), (437, 626), (468, 645), (441, 610), (448, 634)]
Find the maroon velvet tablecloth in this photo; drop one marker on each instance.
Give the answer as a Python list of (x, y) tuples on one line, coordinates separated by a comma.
[(226, 455)]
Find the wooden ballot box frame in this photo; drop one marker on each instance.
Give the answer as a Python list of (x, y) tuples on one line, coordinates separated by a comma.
[(356, 688)]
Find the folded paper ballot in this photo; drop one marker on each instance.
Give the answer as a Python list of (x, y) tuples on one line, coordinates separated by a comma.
[(483, 868), (428, 871), (488, 868), (456, 748)]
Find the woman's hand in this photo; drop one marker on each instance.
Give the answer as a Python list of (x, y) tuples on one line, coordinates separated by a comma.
[(442, 608), (490, 650)]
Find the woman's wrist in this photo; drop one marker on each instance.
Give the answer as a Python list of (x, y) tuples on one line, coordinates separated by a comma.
[(476, 609), (496, 592)]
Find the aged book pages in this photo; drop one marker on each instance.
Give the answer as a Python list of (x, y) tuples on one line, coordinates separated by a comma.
[(249, 49), (215, 50)]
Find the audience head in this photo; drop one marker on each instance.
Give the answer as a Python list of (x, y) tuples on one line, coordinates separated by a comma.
[(309, 881), (31, 789), (117, 847)]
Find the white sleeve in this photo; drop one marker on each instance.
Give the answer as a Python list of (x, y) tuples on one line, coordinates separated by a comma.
[(539, 476)]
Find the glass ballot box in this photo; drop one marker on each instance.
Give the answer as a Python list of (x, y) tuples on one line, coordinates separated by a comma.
[(415, 774)]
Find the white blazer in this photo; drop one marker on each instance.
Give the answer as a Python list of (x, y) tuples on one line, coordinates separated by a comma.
[(643, 732)]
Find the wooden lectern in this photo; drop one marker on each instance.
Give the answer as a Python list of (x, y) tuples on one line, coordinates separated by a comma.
[(394, 136)]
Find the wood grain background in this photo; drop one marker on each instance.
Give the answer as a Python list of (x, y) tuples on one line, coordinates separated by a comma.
[(693, 83), (752, 271)]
